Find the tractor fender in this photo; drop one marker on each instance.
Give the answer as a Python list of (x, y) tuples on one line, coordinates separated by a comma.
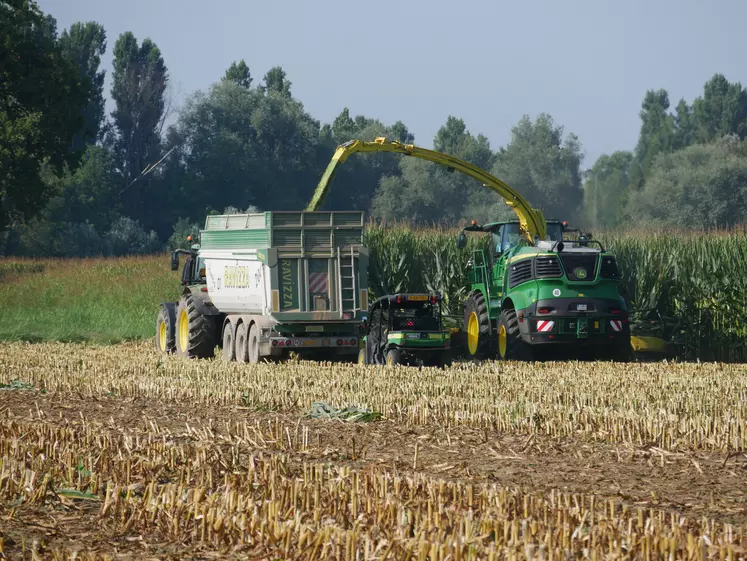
[(202, 301)]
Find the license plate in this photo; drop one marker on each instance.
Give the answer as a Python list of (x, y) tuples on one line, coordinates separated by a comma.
[(413, 335), (581, 307), (417, 297), (314, 328)]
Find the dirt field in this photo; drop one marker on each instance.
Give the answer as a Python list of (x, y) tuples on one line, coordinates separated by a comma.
[(105, 472)]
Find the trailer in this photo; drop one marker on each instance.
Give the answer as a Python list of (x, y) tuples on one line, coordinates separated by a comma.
[(263, 285)]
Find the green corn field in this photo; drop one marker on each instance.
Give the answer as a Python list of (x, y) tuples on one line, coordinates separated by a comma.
[(691, 285)]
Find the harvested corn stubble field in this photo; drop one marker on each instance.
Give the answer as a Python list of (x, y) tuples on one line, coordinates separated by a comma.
[(116, 453)]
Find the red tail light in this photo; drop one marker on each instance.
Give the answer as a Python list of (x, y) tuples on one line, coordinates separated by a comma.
[(615, 311), (339, 342), (274, 343), (544, 310), (288, 343), (434, 299), (399, 299)]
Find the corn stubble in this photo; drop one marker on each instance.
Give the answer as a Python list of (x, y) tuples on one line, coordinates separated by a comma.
[(252, 489)]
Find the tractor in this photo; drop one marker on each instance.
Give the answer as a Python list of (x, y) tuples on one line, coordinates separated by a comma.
[(406, 329)]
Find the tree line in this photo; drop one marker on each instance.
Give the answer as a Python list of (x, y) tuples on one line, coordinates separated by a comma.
[(76, 181)]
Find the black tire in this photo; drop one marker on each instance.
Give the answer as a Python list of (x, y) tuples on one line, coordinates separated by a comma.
[(229, 348), (476, 306), (165, 339), (515, 348), (252, 344), (242, 334), (393, 357), (199, 339)]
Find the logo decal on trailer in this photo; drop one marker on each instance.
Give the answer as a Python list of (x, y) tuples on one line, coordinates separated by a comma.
[(617, 325), (544, 325)]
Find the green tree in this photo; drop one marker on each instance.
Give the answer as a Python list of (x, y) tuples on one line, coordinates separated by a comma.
[(722, 110), (701, 186), (426, 192), (139, 86), (684, 122), (276, 81), (42, 99), (238, 147), (84, 44), (239, 74), (606, 191), (543, 166), (657, 134), (357, 180), (88, 195)]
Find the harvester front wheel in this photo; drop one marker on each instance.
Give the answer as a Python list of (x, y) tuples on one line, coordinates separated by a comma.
[(510, 345), (195, 332), (165, 329), (478, 328)]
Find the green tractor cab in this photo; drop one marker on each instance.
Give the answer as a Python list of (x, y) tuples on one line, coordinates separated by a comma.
[(406, 329)]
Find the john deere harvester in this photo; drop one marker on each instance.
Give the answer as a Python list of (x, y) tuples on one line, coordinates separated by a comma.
[(532, 290), (554, 294)]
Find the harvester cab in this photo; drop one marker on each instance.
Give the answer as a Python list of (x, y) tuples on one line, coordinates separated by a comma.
[(406, 329)]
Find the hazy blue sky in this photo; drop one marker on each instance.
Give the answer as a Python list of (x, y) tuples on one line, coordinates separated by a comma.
[(586, 62)]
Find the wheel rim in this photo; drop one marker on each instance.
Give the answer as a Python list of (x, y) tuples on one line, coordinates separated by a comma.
[(162, 336), (184, 330), (502, 341), (473, 333)]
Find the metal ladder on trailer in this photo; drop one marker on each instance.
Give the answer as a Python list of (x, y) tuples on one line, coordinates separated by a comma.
[(346, 281)]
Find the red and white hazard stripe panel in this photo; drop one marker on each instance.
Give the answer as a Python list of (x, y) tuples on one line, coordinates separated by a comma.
[(317, 283), (544, 325), (616, 324)]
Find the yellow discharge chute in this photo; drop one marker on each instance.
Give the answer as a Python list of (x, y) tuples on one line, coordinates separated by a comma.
[(531, 220)]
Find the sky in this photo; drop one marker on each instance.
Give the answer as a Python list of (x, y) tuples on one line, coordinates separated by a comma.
[(588, 63)]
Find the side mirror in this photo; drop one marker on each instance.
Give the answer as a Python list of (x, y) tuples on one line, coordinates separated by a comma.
[(462, 240), (175, 261)]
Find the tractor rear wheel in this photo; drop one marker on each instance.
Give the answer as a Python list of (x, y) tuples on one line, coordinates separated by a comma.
[(166, 329), (510, 344), (195, 332), (478, 327)]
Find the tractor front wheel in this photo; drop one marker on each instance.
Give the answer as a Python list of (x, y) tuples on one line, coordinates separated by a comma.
[(195, 332), (166, 329), (478, 327)]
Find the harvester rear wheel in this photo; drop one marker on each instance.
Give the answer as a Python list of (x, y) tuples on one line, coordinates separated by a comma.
[(165, 329), (478, 327), (195, 332), (510, 345), (229, 349)]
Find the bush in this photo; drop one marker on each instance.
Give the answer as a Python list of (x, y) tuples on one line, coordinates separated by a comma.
[(127, 237)]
